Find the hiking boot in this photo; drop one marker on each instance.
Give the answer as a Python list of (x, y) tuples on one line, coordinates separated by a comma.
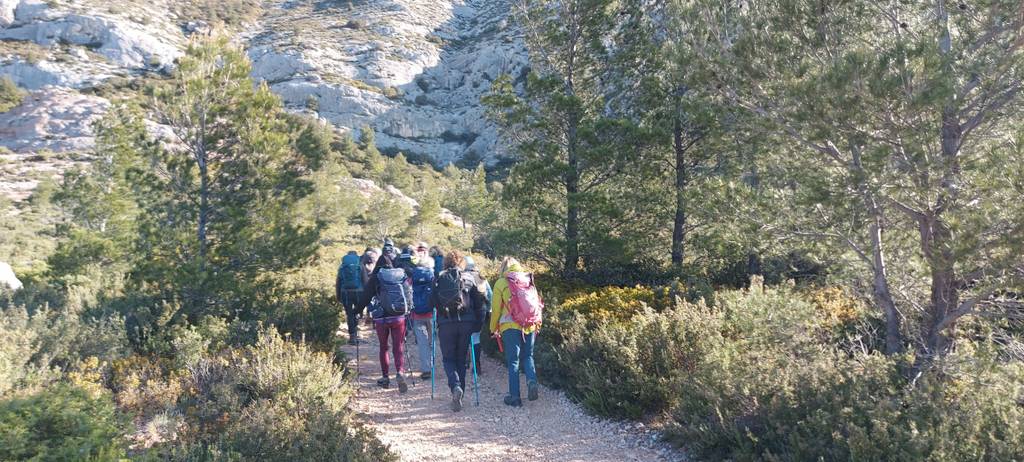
[(532, 391), (425, 376), (457, 399), (356, 341), (514, 402), (402, 386), (384, 382)]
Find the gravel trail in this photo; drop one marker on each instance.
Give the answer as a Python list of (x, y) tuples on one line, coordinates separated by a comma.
[(549, 429)]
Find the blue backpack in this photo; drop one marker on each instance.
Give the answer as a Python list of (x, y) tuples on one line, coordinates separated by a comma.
[(438, 265), (394, 293), (422, 286), (350, 273)]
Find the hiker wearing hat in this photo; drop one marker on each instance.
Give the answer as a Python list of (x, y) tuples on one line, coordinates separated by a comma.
[(389, 249)]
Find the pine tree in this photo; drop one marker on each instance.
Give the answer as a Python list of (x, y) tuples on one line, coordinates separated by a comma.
[(898, 119), (98, 202), (567, 148), (218, 206)]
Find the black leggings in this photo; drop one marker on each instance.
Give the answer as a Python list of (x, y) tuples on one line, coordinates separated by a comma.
[(349, 299)]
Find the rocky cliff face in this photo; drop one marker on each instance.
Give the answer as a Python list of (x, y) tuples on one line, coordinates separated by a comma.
[(413, 70)]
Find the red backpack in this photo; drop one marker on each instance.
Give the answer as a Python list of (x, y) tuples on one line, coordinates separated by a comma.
[(525, 306)]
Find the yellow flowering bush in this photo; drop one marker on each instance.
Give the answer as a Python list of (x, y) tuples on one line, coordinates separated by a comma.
[(616, 304)]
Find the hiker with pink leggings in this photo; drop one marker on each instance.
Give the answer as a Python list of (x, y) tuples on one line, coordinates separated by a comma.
[(393, 291)]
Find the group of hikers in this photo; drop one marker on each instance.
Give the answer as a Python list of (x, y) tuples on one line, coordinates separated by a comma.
[(441, 297)]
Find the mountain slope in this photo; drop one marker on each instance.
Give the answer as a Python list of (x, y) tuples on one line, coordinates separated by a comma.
[(413, 70)]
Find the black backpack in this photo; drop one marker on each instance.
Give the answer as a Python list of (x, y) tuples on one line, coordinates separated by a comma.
[(452, 293)]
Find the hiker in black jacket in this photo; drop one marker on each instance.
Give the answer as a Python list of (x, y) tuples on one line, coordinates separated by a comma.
[(460, 307)]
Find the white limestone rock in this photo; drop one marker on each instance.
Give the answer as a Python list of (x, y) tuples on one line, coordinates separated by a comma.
[(414, 71), (75, 73), (7, 8), (54, 118), (8, 280), (122, 41)]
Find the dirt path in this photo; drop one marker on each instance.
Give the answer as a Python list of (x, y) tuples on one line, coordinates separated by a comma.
[(549, 429)]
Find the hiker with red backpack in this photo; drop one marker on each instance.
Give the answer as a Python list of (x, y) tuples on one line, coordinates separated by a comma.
[(459, 306), (515, 318), (394, 296)]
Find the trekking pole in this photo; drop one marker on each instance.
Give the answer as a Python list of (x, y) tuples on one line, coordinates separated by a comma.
[(405, 341), (433, 360), (472, 358)]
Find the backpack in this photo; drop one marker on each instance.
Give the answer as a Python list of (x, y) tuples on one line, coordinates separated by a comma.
[(422, 286), (350, 273), (438, 265), (525, 305), (451, 293), (394, 294)]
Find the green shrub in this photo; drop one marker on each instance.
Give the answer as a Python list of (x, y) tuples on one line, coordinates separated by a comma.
[(62, 422), (48, 341), (767, 374), (775, 387), (230, 12), (310, 315), (622, 370), (858, 409), (613, 350), (10, 94), (393, 93), (274, 400)]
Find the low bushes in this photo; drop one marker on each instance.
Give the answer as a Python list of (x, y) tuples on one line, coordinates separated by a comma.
[(768, 374), (71, 388), (274, 400), (61, 422), (616, 304)]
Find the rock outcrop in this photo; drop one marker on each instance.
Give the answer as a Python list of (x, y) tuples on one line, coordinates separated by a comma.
[(54, 118), (8, 280), (413, 70)]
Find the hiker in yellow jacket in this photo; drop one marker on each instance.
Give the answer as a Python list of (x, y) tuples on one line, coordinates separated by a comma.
[(517, 341)]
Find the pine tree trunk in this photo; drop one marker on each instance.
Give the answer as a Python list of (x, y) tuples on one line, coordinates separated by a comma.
[(880, 283), (937, 245), (572, 216), (880, 290), (204, 210), (679, 224)]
